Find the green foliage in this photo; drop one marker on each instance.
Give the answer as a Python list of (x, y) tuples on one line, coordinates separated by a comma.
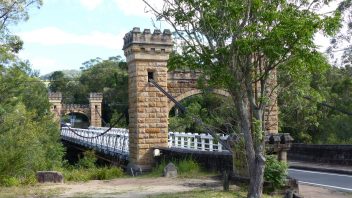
[(215, 111), (310, 122), (275, 171), (12, 12), (106, 76), (85, 169), (29, 138), (88, 160), (185, 168), (95, 173)]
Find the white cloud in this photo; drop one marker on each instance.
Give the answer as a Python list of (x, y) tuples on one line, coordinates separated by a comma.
[(44, 65), (55, 36), (91, 4), (137, 7)]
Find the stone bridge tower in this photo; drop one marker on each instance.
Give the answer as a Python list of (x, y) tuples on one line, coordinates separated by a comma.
[(55, 99), (95, 101), (147, 55), (92, 111)]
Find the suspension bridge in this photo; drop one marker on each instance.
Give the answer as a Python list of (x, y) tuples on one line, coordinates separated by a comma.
[(114, 142), (152, 92)]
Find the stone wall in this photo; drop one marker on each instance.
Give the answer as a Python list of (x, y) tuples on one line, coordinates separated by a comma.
[(211, 161), (331, 154)]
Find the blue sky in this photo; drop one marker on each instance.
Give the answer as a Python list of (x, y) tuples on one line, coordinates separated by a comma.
[(63, 34)]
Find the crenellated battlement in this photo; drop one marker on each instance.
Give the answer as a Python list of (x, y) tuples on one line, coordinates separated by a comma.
[(156, 42), (96, 96), (55, 96)]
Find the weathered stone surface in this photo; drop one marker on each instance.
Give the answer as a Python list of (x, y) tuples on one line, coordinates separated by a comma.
[(170, 170), (134, 169), (92, 111), (49, 176)]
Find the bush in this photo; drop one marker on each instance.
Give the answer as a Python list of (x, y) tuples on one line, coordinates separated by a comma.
[(107, 173), (104, 173), (275, 171), (185, 167), (16, 181), (88, 160), (85, 169), (188, 166)]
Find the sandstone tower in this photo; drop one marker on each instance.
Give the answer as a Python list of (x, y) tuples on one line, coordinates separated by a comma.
[(95, 101), (55, 99), (147, 55)]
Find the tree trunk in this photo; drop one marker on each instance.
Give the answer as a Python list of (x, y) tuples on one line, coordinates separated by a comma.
[(254, 148), (257, 177)]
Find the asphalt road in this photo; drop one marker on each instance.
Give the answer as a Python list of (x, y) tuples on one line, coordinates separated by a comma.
[(329, 180)]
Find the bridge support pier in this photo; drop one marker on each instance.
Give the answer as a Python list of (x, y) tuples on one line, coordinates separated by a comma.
[(55, 99), (147, 55), (95, 100)]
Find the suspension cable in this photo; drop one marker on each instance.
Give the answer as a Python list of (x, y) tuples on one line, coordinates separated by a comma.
[(197, 120), (101, 134)]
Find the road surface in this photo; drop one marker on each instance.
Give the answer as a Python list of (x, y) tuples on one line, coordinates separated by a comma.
[(329, 180)]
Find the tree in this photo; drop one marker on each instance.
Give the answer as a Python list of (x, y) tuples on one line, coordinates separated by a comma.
[(29, 137), (239, 45), (109, 77), (340, 49), (11, 12), (215, 112), (58, 81)]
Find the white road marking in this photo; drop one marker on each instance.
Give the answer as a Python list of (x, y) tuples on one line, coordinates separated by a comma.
[(328, 186), (322, 173)]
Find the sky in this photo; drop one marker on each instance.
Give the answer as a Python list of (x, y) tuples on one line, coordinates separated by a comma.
[(63, 34)]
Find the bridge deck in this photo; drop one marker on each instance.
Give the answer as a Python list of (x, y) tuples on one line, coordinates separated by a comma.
[(115, 142)]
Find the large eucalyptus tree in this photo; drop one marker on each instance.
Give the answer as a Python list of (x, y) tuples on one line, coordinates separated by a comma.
[(240, 44)]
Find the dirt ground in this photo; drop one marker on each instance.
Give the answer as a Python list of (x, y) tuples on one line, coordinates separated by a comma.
[(131, 187), (142, 187), (319, 192)]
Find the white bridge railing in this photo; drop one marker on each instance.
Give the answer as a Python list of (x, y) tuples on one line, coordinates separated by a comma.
[(115, 141), (195, 141)]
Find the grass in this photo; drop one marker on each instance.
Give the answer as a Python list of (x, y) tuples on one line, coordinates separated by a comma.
[(85, 174), (29, 191), (186, 168), (207, 194)]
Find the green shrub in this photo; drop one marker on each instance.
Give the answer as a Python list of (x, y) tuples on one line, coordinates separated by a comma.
[(158, 170), (107, 173), (77, 175), (17, 181), (88, 160), (185, 167), (11, 181), (82, 174), (188, 166), (275, 171)]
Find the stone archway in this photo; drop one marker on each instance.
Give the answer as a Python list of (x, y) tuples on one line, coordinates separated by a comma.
[(82, 120), (196, 92), (92, 110)]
